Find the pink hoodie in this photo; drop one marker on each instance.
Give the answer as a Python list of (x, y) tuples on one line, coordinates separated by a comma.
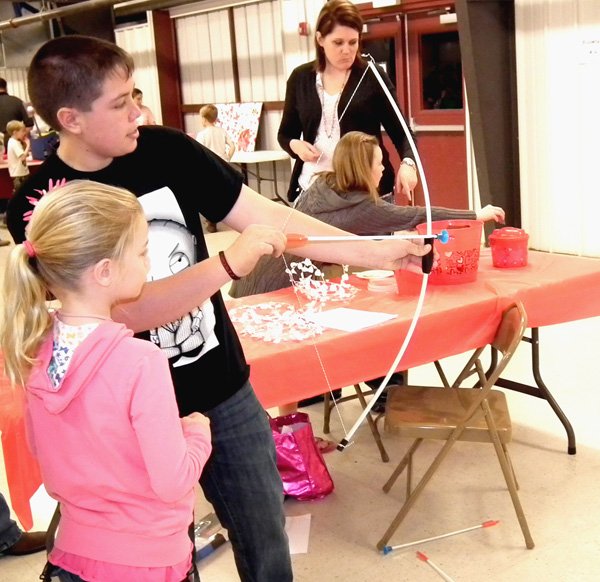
[(113, 451)]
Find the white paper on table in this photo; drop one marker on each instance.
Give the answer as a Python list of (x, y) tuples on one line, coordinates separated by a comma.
[(346, 319), (297, 528)]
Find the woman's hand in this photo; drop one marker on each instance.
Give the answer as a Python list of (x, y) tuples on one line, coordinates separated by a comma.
[(406, 180), (304, 150), (490, 212)]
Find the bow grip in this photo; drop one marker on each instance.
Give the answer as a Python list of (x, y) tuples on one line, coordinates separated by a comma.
[(427, 260)]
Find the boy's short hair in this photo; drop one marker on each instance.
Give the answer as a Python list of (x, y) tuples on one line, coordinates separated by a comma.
[(69, 71), (14, 125), (209, 112)]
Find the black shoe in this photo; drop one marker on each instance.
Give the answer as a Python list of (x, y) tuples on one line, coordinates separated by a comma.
[(396, 379), (314, 399)]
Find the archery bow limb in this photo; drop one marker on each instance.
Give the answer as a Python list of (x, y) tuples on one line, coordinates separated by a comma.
[(426, 265)]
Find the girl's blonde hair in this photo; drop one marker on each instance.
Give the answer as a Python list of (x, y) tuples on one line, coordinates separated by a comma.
[(72, 228), (352, 164)]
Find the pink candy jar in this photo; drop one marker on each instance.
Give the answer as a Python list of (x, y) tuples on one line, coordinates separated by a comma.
[(509, 247)]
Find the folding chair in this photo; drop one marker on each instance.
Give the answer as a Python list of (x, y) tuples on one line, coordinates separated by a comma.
[(477, 414)]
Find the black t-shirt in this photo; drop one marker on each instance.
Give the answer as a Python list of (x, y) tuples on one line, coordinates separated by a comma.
[(176, 180)]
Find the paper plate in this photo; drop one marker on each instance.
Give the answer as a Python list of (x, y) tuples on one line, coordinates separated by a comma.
[(375, 274)]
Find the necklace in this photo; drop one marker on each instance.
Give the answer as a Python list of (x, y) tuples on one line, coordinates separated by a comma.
[(326, 122), (61, 314)]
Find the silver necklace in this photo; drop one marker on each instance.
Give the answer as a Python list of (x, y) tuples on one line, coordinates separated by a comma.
[(335, 107), (62, 314)]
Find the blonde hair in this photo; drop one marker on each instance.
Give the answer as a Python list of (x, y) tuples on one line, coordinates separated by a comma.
[(72, 228), (352, 164), (209, 112), (14, 125)]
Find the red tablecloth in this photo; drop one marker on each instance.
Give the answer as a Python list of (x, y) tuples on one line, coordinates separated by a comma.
[(22, 472), (455, 319), (553, 288), (450, 323)]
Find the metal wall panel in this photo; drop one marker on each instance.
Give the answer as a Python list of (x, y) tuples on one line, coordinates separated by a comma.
[(139, 42), (558, 73), (205, 58), (16, 80)]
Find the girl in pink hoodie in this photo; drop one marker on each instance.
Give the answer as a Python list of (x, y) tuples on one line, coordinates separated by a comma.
[(101, 413)]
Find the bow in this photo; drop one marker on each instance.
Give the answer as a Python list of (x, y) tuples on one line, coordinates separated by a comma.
[(426, 263), (427, 260)]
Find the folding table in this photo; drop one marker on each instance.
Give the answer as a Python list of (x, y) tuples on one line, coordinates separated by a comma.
[(553, 288), (258, 157)]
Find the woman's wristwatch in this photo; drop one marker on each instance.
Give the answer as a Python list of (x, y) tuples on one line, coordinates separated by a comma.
[(409, 162)]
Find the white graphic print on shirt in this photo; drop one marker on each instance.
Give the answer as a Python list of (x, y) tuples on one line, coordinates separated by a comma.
[(171, 248)]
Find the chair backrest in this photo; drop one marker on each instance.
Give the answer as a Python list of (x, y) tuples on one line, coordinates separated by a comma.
[(511, 329), (509, 335)]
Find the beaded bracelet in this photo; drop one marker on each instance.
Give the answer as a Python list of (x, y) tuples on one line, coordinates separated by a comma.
[(226, 266)]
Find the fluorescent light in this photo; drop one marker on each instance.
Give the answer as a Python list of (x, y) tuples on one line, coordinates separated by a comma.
[(383, 3), (449, 18)]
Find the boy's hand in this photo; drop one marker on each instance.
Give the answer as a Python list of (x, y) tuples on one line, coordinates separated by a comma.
[(404, 254), (255, 241)]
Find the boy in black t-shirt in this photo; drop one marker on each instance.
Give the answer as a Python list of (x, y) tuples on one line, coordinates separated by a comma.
[(82, 86)]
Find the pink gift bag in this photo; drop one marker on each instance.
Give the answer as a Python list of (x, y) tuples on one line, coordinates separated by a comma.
[(301, 466)]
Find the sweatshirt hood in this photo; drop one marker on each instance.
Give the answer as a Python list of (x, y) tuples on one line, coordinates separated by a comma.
[(319, 199), (87, 360)]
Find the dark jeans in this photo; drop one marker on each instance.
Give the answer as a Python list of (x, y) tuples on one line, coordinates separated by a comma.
[(242, 483), (65, 576), (10, 533)]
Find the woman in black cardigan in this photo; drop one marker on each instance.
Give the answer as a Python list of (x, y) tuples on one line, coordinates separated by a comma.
[(329, 97)]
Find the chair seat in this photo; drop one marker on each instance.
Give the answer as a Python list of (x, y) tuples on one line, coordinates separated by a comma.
[(431, 412)]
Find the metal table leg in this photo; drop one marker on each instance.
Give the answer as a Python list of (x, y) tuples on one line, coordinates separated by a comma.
[(542, 390), (275, 187)]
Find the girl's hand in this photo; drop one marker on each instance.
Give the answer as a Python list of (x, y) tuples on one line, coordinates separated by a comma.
[(490, 212), (195, 418), (304, 150)]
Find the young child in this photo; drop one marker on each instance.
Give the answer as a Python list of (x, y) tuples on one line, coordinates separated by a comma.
[(216, 139), (101, 414), (17, 150)]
